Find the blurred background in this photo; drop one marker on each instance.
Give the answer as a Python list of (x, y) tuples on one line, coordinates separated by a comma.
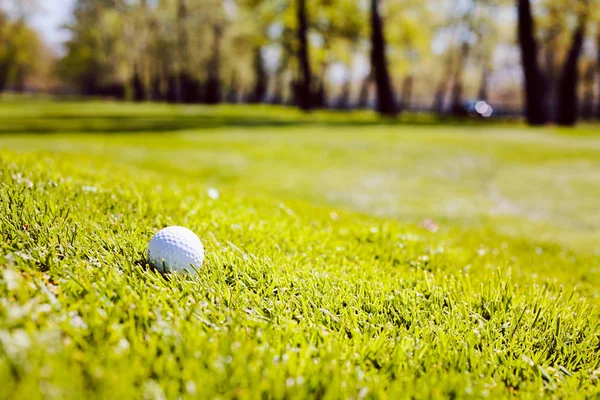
[(478, 58)]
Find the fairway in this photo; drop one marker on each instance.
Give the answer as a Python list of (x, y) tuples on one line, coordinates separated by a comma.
[(347, 256)]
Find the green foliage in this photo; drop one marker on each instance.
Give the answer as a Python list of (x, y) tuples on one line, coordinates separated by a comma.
[(158, 49), (23, 56), (95, 52), (335, 267)]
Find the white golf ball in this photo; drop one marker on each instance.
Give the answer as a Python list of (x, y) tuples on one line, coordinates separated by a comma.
[(175, 249)]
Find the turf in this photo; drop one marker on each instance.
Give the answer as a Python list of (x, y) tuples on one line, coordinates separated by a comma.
[(347, 257)]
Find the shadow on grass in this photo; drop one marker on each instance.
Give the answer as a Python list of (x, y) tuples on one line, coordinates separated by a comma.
[(53, 122)]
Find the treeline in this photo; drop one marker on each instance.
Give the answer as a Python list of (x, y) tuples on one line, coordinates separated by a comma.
[(334, 53), (22, 55)]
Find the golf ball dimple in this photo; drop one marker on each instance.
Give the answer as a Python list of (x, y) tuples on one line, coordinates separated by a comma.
[(175, 249)]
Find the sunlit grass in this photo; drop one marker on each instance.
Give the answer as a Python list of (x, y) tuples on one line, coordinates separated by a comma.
[(343, 261)]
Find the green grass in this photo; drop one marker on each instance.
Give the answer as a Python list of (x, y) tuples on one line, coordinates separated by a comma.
[(347, 257)]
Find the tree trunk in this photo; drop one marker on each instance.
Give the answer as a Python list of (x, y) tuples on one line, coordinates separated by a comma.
[(5, 68), (157, 70), (320, 95), (191, 89), (19, 79), (457, 106), (386, 105), (551, 68), (598, 68), (536, 112), (173, 94), (587, 106), (139, 92), (260, 83), (213, 84), (483, 94), (550, 78), (157, 93), (182, 50), (363, 96), (90, 85), (278, 86), (233, 92), (439, 97), (567, 87), (303, 90), (343, 101), (405, 99)]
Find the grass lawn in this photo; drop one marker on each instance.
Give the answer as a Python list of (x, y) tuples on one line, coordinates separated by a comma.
[(347, 257)]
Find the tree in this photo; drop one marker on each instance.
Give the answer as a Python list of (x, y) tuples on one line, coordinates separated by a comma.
[(439, 98), (365, 89), (587, 105), (23, 56), (96, 53), (304, 85), (7, 50), (406, 93), (598, 67), (456, 105), (408, 44), (260, 83), (343, 24), (483, 87), (567, 89), (187, 88), (386, 104), (460, 32), (213, 84), (551, 28), (139, 91), (534, 88)]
